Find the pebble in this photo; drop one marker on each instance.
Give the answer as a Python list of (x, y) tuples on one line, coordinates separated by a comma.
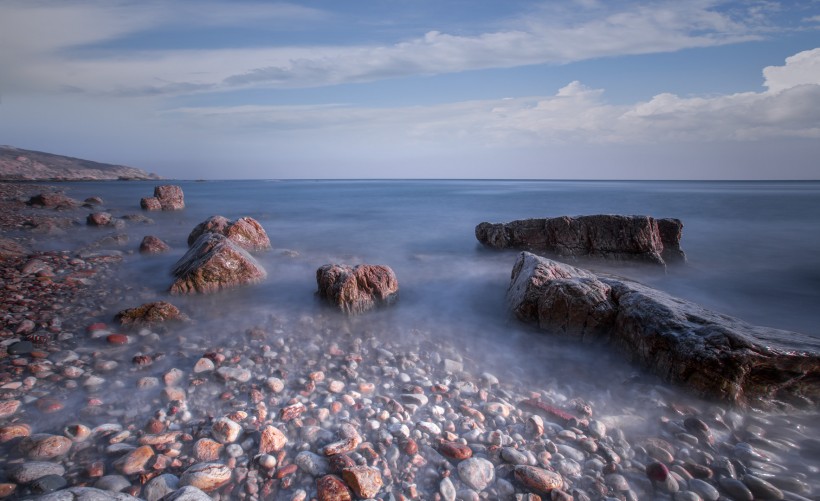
[(761, 488), (477, 473), (12, 431), (234, 374), (455, 450), (538, 479), (272, 440), (32, 470), (135, 461), (187, 493), (312, 464), (45, 446), (447, 489), (115, 483), (8, 407), (225, 430), (159, 486), (332, 488), (206, 476), (204, 365), (363, 480)]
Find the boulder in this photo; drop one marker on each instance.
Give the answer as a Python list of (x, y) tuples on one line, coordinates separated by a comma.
[(246, 232), (713, 355), (153, 245), (214, 262), (166, 197), (150, 314), (357, 289), (53, 200), (99, 219), (610, 237)]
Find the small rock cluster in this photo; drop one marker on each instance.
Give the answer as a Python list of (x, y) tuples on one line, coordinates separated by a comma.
[(166, 197)]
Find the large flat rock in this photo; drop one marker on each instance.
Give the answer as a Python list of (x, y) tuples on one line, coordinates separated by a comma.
[(610, 237), (713, 355)]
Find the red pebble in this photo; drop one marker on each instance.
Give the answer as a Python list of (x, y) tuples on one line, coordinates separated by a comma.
[(99, 326), (117, 339), (657, 472)]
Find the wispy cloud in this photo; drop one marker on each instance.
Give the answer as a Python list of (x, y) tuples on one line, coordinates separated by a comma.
[(38, 38)]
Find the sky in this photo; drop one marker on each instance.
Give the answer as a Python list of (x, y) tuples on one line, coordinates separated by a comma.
[(525, 89)]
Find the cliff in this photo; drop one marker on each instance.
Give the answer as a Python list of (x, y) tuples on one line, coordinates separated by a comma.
[(26, 165)]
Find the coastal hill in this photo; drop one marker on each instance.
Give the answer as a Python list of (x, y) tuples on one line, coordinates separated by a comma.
[(26, 165)]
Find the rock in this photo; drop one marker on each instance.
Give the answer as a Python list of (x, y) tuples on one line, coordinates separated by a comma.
[(52, 200), (206, 476), (44, 446), (93, 201), (538, 479), (477, 473), (206, 449), (12, 431), (160, 486), (32, 470), (11, 249), (272, 440), (204, 365), (135, 461), (712, 355), (761, 488), (332, 488), (150, 314), (187, 493), (311, 463), (234, 374), (166, 197), (363, 480), (245, 232), (225, 430), (214, 263), (153, 245), (610, 237), (21, 348), (736, 489), (357, 289), (114, 483), (99, 219), (455, 450), (86, 494)]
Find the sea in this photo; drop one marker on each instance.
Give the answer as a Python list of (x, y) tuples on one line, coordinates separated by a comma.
[(752, 248)]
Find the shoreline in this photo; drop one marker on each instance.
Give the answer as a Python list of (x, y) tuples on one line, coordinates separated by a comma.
[(418, 407)]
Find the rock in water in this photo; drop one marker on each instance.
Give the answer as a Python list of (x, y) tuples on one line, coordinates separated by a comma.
[(357, 289), (713, 355), (153, 245), (53, 201), (166, 197), (245, 232), (151, 314), (611, 237), (213, 263)]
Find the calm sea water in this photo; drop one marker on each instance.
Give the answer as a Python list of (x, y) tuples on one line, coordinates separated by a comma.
[(753, 247)]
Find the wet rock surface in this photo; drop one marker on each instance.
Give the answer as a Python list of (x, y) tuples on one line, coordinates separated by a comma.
[(246, 232), (157, 312), (609, 237), (711, 354), (166, 197), (213, 263), (325, 406), (356, 289)]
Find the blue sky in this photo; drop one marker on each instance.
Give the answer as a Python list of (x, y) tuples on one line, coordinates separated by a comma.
[(574, 89)]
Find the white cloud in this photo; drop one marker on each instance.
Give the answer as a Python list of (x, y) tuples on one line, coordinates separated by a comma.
[(802, 68), (39, 36)]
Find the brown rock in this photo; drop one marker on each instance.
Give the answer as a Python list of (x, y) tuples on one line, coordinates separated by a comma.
[(245, 232), (10, 249), (225, 430), (153, 245), (363, 480), (272, 440), (135, 461), (12, 431), (357, 289), (7, 489), (214, 263), (455, 450), (206, 476), (44, 446), (214, 224), (206, 449), (8, 407), (150, 314), (99, 219), (170, 197), (712, 355), (610, 237), (53, 201), (332, 488), (538, 479), (150, 203)]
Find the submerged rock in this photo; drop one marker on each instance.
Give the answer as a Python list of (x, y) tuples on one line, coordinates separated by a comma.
[(150, 314), (611, 237), (213, 263), (166, 197), (357, 289), (53, 200), (246, 232), (714, 355), (153, 245)]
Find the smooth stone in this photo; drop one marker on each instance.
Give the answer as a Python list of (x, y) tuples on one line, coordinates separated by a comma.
[(235, 374), (159, 486), (116, 483), (447, 489), (736, 489), (187, 493), (761, 488), (686, 496), (21, 348), (571, 452), (538, 479), (45, 446), (703, 489), (478, 473), (617, 482), (86, 494), (513, 456), (313, 464), (32, 470), (225, 430), (135, 461), (206, 476), (48, 483)]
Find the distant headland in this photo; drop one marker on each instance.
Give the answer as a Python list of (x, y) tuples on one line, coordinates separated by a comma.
[(17, 164)]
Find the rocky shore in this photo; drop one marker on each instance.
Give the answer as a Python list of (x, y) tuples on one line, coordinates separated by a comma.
[(333, 408)]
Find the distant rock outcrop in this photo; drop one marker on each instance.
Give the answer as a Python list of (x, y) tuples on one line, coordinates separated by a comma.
[(214, 262), (713, 355), (246, 232), (357, 289), (612, 237), (17, 164), (166, 197)]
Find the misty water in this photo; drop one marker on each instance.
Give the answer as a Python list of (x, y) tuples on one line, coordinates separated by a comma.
[(753, 252)]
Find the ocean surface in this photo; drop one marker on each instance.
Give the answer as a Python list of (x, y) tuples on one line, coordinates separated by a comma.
[(753, 248)]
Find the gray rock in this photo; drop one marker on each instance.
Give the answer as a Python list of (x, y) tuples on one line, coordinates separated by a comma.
[(736, 489), (478, 473), (160, 486), (761, 488), (712, 355), (187, 493), (86, 494), (48, 483), (32, 470), (312, 464), (115, 483), (447, 489), (703, 489)]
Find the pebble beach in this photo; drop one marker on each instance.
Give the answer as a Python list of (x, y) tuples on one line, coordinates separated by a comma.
[(286, 406)]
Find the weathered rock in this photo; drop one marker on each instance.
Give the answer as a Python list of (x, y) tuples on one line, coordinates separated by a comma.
[(8, 407), (166, 197), (135, 461), (225, 430), (538, 479), (32, 470), (10, 249), (245, 232), (477, 473), (363, 480), (206, 476), (357, 289), (332, 488), (187, 493), (711, 354), (52, 200), (214, 263), (271, 440), (99, 219), (150, 314), (48, 483), (45, 446), (159, 486), (153, 245), (86, 494), (611, 237)]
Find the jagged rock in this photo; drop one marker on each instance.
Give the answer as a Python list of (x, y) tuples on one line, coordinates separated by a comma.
[(99, 219), (166, 197), (246, 232), (213, 263), (150, 314), (357, 289), (53, 200), (611, 237), (153, 245), (713, 355)]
